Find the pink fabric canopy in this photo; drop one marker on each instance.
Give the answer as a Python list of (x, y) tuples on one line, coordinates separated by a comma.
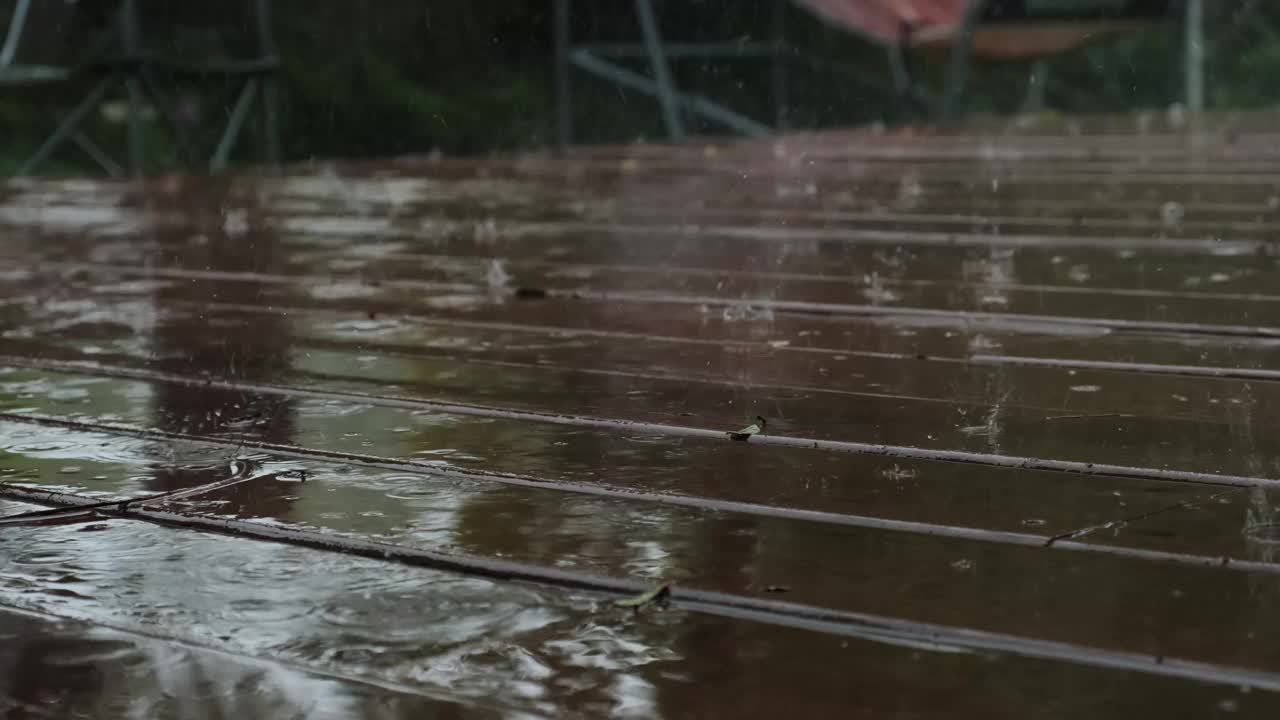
[(932, 25), (888, 20)]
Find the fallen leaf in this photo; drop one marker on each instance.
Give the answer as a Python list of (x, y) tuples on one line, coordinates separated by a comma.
[(658, 595), (746, 432)]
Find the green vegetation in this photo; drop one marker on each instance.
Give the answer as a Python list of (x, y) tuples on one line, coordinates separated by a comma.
[(371, 79)]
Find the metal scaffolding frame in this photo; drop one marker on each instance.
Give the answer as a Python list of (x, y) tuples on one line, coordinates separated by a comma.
[(599, 60), (131, 67)]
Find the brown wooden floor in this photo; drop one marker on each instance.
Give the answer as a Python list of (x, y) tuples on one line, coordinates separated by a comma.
[(1022, 387)]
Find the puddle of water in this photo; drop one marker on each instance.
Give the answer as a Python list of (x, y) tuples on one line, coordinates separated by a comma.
[(495, 644), (82, 670), (674, 298), (734, 552)]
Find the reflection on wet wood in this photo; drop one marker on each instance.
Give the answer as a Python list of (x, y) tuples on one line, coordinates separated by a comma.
[(1018, 382)]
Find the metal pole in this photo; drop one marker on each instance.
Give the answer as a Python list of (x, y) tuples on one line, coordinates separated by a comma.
[(661, 73), (898, 70), (961, 50), (70, 124), (133, 86), (97, 154), (1194, 55), (780, 65), (232, 132), (692, 103), (270, 84), (14, 36), (563, 73)]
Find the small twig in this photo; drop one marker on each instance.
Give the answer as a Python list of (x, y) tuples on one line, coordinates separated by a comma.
[(1089, 417), (238, 475), (1124, 522)]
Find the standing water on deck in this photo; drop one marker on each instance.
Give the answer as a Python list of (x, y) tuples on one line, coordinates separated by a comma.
[(953, 425)]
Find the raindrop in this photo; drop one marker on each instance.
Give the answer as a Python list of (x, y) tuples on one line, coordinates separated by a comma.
[(485, 232), (497, 278), (235, 222)]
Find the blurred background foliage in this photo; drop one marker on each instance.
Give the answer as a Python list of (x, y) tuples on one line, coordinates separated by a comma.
[(371, 78)]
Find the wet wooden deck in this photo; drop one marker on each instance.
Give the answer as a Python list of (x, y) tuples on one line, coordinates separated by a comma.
[(1021, 457)]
